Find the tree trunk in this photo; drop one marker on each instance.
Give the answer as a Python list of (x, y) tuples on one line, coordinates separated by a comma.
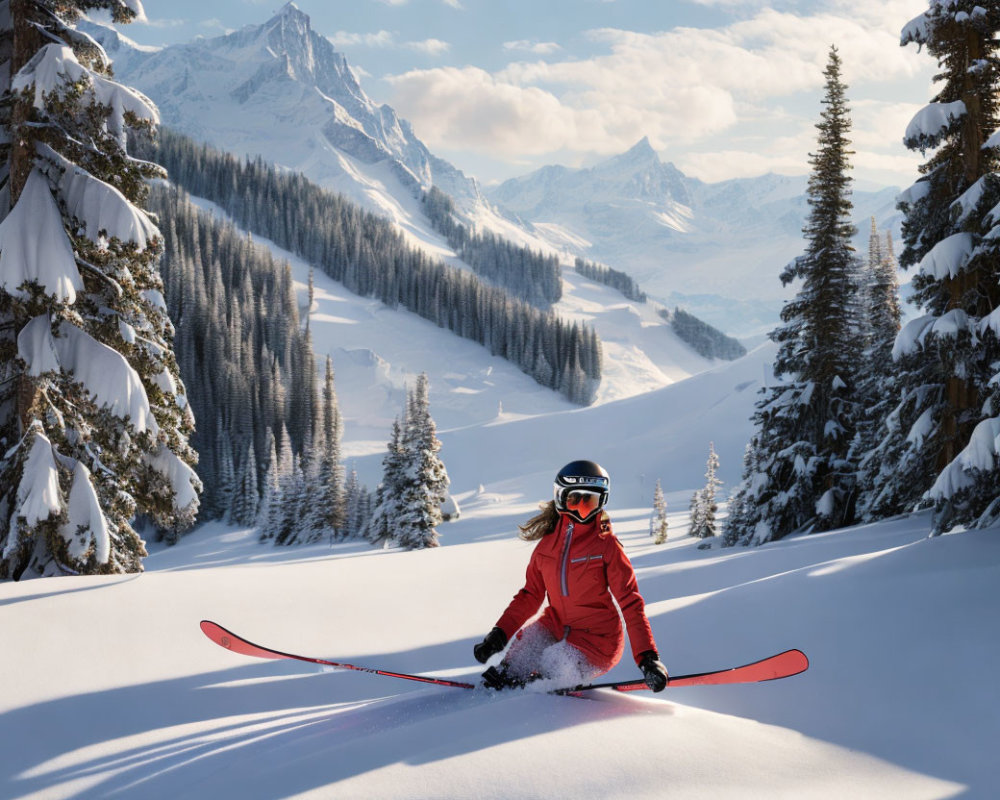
[(27, 40)]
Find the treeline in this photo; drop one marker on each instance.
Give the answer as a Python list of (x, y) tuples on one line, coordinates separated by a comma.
[(533, 277), (867, 419), (702, 337), (370, 258), (248, 365), (614, 278)]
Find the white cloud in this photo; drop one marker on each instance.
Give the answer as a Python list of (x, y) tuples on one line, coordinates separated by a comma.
[(468, 107), (678, 87), (379, 39), (432, 47), (539, 48), (387, 39)]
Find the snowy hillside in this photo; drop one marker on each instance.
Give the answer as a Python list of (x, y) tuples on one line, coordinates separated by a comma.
[(378, 351), (115, 692), (715, 248)]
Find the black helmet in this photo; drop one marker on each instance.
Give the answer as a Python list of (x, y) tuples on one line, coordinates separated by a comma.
[(581, 489)]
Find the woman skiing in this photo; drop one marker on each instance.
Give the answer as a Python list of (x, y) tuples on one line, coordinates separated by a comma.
[(579, 564)]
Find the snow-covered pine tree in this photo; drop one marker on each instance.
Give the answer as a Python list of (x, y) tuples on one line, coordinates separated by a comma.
[(940, 445), (801, 478), (658, 521), (269, 497), (704, 505), (877, 386), (357, 506), (330, 480), (425, 479), (246, 498), (91, 404), (382, 523), (278, 486)]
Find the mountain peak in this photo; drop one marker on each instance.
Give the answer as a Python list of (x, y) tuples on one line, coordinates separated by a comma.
[(291, 15), (641, 148)]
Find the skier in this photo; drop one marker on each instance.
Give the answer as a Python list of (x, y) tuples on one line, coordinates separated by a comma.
[(579, 564)]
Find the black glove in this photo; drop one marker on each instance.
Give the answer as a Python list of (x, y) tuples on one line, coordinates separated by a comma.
[(495, 641), (653, 671)]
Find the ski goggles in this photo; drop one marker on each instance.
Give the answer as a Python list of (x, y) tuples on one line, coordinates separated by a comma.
[(583, 502)]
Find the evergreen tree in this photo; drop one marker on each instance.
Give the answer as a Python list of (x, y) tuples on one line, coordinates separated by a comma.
[(330, 479), (382, 523), (703, 503), (358, 506), (802, 478), (246, 500), (94, 422), (877, 386), (940, 444), (425, 479), (658, 522)]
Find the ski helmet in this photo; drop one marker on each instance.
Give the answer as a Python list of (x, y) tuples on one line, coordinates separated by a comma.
[(581, 489)]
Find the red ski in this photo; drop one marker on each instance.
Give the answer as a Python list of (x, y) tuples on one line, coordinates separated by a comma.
[(238, 644), (783, 665)]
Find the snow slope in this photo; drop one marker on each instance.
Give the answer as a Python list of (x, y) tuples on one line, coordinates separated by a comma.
[(113, 691)]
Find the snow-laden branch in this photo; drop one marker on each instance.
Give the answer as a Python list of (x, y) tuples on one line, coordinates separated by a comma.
[(932, 122), (915, 333), (38, 495), (916, 30), (34, 246), (971, 198), (982, 454), (85, 526), (915, 193), (182, 478), (55, 66), (100, 207), (102, 371), (948, 257)]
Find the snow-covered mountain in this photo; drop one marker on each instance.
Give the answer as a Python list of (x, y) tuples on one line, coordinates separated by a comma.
[(716, 248), (282, 91)]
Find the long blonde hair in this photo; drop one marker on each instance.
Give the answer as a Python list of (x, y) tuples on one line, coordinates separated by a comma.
[(543, 523)]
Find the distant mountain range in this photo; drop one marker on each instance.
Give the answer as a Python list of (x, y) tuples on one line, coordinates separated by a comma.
[(716, 248), (281, 90)]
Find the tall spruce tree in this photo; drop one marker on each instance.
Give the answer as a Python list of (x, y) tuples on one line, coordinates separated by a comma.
[(331, 491), (947, 357), (877, 386), (658, 521), (94, 422), (703, 504), (381, 526), (425, 479), (800, 477)]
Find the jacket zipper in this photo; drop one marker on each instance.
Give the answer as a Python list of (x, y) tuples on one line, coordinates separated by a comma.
[(565, 560)]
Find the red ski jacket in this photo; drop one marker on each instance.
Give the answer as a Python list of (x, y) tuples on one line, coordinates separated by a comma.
[(579, 566)]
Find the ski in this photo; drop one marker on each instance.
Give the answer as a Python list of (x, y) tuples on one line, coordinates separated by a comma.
[(231, 641), (782, 665)]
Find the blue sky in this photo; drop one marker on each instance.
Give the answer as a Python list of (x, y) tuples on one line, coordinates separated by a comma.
[(723, 88)]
